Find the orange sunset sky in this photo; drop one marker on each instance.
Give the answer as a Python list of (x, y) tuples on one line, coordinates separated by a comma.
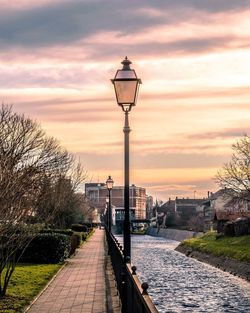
[(57, 58)]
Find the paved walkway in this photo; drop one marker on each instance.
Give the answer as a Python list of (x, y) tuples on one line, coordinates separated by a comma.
[(80, 285)]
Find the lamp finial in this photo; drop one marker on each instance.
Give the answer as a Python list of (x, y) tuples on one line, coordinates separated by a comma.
[(126, 64)]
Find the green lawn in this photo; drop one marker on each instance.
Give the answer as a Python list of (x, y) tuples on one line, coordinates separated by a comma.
[(27, 281), (233, 247)]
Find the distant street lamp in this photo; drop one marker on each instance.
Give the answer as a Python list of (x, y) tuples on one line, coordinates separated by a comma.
[(106, 211), (109, 183), (126, 84)]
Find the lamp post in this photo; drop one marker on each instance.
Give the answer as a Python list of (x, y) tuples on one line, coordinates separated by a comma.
[(106, 211), (109, 183), (126, 84)]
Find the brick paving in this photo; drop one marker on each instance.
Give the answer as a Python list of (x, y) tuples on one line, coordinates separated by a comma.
[(80, 286)]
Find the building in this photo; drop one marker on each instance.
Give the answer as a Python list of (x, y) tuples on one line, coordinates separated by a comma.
[(97, 193), (237, 221), (188, 206), (179, 211), (221, 202)]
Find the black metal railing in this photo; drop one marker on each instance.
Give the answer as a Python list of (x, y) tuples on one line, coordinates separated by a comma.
[(133, 294)]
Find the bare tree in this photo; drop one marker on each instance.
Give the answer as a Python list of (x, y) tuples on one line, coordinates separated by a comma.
[(235, 175), (196, 223), (87, 208), (29, 162), (61, 198)]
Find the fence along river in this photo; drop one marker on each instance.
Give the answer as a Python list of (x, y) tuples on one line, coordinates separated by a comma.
[(180, 284)]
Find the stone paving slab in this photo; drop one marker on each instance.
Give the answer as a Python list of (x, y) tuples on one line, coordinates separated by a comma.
[(80, 286)]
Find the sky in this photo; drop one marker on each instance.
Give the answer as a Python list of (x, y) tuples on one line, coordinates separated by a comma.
[(57, 58)]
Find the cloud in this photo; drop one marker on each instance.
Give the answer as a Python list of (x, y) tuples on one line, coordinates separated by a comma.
[(178, 47), (227, 133), (101, 159), (66, 22), (166, 191), (26, 4), (165, 185), (65, 114), (208, 93)]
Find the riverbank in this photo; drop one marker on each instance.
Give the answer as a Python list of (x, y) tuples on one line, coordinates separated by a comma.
[(172, 234), (230, 254)]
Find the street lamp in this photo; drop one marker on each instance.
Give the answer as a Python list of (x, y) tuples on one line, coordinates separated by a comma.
[(126, 84), (109, 183), (106, 211)]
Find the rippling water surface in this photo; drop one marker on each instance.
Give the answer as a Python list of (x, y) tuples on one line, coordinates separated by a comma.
[(181, 284)]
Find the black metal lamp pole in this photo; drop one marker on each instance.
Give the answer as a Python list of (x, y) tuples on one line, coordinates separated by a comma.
[(109, 184), (107, 210), (126, 84), (126, 222)]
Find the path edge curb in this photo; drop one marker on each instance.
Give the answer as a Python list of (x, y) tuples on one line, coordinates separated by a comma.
[(46, 286)]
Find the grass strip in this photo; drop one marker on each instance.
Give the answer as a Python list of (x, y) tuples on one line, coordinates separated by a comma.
[(237, 248), (26, 282)]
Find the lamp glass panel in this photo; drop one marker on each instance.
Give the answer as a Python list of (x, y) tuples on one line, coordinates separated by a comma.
[(122, 74), (109, 183), (126, 91)]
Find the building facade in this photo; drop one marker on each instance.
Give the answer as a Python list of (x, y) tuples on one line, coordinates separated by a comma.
[(222, 204), (97, 193)]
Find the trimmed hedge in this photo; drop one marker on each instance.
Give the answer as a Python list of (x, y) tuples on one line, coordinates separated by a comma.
[(89, 225), (67, 232), (85, 235), (76, 240), (48, 248), (79, 228)]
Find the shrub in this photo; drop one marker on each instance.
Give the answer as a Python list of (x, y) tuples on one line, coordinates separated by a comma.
[(67, 232), (241, 226), (48, 248), (76, 240), (229, 229), (79, 228), (219, 236), (89, 225), (84, 236)]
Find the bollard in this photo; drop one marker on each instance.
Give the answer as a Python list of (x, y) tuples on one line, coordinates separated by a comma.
[(133, 268), (144, 288), (127, 259)]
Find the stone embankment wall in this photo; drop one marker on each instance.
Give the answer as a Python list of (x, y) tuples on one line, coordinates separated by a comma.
[(241, 269), (173, 234)]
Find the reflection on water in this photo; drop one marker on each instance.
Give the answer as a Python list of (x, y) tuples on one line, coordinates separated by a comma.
[(181, 284)]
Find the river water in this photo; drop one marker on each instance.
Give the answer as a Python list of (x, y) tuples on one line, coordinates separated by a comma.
[(180, 284)]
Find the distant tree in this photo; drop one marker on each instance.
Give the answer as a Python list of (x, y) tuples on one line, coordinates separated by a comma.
[(61, 201), (235, 175), (185, 215), (76, 209), (29, 161), (196, 223), (157, 205), (87, 209), (171, 219)]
